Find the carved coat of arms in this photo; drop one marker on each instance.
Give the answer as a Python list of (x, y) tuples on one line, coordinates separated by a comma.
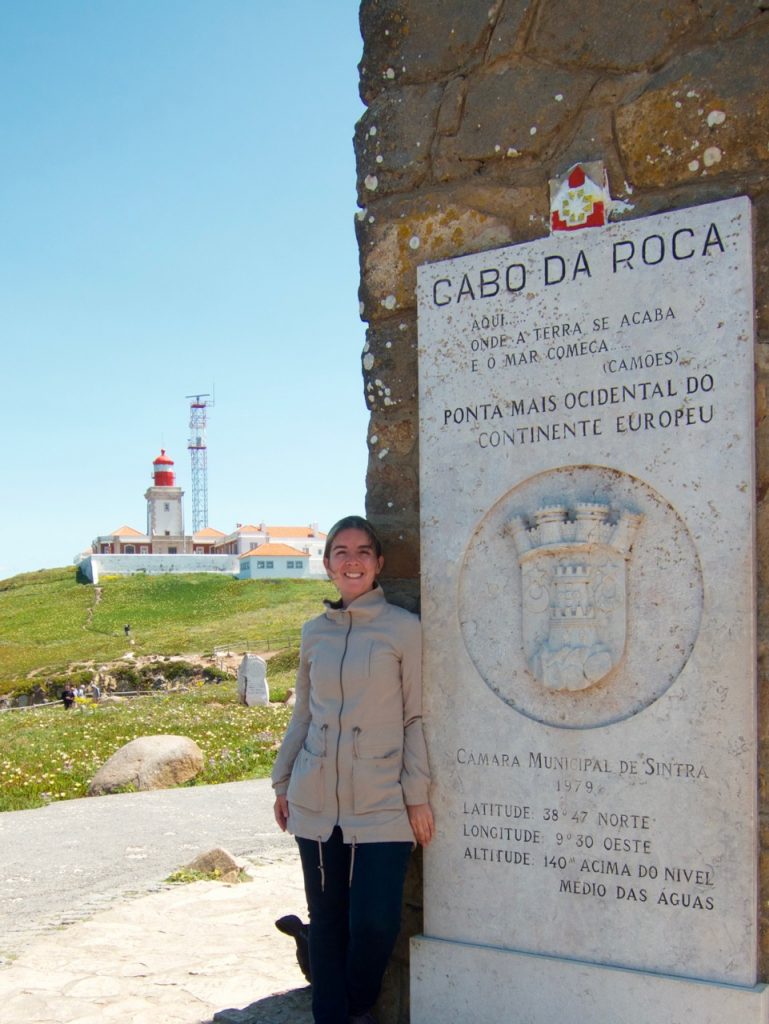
[(574, 612)]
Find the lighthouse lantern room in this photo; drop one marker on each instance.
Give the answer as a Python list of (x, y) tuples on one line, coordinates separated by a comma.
[(165, 513)]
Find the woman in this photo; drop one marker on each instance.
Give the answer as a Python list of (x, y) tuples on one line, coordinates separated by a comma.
[(351, 778)]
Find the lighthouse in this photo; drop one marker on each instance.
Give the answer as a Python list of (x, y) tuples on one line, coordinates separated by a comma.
[(165, 514)]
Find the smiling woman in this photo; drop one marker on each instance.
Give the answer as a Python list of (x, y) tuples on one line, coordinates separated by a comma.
[(351, 778)]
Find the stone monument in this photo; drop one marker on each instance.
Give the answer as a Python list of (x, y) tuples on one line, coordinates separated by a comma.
[(252, 681), (587, 519)]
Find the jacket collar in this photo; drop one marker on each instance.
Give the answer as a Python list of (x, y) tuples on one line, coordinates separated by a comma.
[(363, 608)]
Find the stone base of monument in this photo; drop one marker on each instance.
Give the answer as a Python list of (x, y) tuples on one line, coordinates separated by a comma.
[(451, 981)]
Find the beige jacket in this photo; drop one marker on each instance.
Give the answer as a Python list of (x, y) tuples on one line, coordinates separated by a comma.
[(354, 752)]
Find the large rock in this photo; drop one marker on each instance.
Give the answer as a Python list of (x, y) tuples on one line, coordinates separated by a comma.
[(394, 140), (149, 762), (623, 37), (512, 114), (401, 237), (416, 40), (704, 114), (218, 863)]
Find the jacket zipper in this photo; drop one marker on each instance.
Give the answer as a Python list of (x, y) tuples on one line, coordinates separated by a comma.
[(341, 704)]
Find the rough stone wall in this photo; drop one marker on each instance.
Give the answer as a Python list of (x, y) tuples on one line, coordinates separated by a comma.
[(472, 106)]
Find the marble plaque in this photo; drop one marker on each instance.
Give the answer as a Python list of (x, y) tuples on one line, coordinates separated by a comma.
[(587, 501)]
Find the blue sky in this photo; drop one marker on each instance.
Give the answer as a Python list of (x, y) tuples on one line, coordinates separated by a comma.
[(177, 200)]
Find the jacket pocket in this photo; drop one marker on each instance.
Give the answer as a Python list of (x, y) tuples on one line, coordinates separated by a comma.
[(376, 769), (315, 741), (306, 786)]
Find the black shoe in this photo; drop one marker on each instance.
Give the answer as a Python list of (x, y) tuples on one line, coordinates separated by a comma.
[(293, 926)]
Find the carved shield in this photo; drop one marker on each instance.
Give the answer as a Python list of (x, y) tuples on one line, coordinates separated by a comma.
[(574, 589)]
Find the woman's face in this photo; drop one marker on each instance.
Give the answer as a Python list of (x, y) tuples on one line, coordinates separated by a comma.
[(352, 564)]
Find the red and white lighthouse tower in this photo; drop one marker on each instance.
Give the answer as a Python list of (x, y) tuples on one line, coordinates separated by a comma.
[(165, 513)]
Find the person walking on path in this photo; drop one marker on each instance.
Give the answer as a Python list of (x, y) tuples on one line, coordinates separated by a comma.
[(351, 778)]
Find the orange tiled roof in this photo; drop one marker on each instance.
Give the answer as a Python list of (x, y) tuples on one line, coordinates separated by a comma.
[(209, 531), (249, 528), (275, 549), (294, 531), (126, 531)]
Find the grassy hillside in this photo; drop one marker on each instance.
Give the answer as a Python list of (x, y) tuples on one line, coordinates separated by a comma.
[(49, 620)]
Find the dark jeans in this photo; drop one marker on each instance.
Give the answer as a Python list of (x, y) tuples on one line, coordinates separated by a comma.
[(353, 925)]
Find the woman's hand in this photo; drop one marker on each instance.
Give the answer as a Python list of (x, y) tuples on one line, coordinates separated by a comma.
[(280, 810), (422, 822)]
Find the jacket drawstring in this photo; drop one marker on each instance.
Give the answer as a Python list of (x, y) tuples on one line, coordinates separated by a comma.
[(321, 868), (352, 861)]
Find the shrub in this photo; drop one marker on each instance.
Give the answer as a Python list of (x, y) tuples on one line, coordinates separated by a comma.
[(284, 661), (211, 674), (50, 688), (176, 670), (11, 687), (37, 689), (81, 677), (126, 678)]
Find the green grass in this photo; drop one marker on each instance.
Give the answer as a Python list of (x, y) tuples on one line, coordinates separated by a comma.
[(48, 620), (184, 876), (50, 754)]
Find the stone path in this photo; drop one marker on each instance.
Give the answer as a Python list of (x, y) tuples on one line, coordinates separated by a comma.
[(61, 863), (183, 954)]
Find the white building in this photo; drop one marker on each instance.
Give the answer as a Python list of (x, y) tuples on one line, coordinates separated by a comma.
[(166, 548), (243, 539), (276, 561)]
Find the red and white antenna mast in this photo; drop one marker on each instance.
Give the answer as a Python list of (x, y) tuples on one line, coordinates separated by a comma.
[(199, 459)]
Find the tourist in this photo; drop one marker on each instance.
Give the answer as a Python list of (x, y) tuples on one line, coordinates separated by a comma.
[(351, 777), (67, 696)]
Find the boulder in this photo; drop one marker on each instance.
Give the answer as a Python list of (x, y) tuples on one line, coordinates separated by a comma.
[(149, 762), (217, 862)]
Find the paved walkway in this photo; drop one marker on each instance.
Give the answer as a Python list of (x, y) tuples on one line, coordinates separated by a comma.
[(91, 933)]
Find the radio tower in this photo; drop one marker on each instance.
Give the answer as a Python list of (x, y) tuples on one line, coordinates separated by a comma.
[(199, 460)]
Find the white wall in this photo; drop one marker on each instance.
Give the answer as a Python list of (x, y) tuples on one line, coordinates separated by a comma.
[(94, 566)]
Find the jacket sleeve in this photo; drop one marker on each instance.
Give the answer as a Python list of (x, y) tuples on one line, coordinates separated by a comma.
[(415, 776), (297, 727)]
